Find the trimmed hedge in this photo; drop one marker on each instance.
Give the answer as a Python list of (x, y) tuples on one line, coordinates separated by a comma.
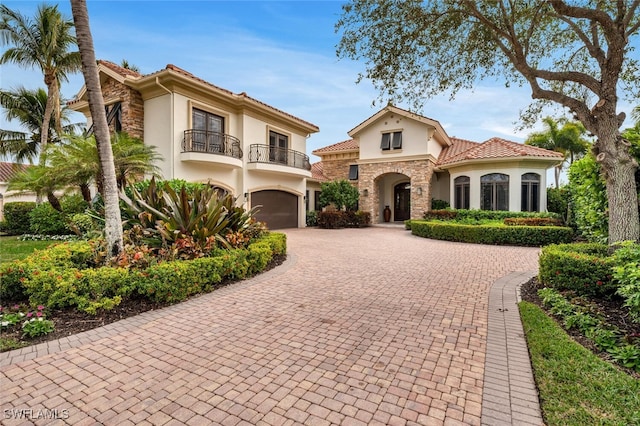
[(17, 217), (585, 268), (462, 214), (343, 219), (63, 276), (492, 234), (532, 221)]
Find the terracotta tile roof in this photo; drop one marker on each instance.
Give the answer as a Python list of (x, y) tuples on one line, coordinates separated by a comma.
[(499, 148), (457, 146), (125, 72), (348, 145), (7, 170), (317, 172)]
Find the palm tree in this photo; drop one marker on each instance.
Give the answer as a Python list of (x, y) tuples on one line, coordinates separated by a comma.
[(27, 108), (43, 42), (113, 220), (568, 140), (125, 64), (39, 179), (133, 159)]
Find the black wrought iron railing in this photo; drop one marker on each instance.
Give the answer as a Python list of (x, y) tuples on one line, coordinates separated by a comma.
[(211, 143), (274, 155)]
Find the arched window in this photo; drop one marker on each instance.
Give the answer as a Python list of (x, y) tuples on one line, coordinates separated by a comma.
[(530, 192), (495, 191), (462, 185)]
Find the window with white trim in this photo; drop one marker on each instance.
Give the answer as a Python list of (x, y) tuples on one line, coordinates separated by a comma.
[(391, 140)]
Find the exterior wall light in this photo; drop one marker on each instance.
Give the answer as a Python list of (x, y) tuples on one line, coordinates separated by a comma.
[(419, 190), (365, 192)]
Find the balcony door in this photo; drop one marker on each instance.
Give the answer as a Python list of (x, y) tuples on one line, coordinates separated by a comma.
[(208, 135), (278, 146)]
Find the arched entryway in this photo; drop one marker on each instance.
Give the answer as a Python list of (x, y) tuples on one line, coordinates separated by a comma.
[(402, 201)]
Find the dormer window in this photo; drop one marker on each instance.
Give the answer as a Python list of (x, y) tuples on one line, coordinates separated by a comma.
[(391, 140)]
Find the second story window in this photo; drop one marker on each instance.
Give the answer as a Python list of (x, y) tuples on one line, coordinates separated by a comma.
[(392, 140), (353, 172), (278, 146)]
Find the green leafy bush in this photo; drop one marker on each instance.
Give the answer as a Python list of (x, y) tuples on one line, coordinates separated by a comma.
[(341, 193), (532, 221), (46, 220), (627, 273), (492, 234), (584, 268), (16, 216), (439, 204), (312, 218), (589, 199), (558, 202)]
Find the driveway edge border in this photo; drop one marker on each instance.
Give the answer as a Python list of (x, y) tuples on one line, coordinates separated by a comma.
[(510, 395)]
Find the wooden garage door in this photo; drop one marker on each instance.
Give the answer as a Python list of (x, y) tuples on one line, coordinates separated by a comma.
[(278, 209)]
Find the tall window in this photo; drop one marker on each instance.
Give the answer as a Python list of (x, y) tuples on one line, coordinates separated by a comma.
[(462, 185), (530, 192), (208, 135), (278, 145), (391, 141), (494, 191)]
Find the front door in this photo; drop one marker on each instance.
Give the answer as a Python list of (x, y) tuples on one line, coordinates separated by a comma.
[(402, 202)]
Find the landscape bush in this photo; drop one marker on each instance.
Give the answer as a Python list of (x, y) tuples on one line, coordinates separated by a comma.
[(483, 215), (66, 275), (533, 221), (585, 268), (492, 234), (343, 219), (16, 217), (312, 218), (627, 272), (45, 220)]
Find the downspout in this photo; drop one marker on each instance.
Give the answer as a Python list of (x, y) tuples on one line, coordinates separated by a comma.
[(171, 125)]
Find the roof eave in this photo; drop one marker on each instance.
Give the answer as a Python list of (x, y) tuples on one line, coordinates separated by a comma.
[(551, 161)]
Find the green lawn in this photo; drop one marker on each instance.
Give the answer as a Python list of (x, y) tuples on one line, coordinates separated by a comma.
[(11, 248), (576, 387)]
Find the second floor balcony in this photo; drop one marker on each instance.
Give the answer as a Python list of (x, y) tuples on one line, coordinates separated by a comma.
[(278, 156), (198, 144), (211, 143)]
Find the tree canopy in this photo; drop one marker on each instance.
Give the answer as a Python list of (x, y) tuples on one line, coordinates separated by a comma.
[(573, 54)]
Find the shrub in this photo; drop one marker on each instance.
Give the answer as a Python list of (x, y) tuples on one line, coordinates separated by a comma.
[(589, 199), (627, 273), (558, 202), (312, 218), (492, 234), (471, 216), (584, 268), (357, 219), (332, 220), (16, 216), (532, 221), (340, 193), (439, 205), (61, 256), (440, 214), (46, 220)]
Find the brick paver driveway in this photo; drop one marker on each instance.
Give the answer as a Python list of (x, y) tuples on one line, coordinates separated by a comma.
[(360, 326)]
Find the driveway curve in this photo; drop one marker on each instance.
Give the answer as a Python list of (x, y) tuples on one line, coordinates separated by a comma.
[(359, 326)]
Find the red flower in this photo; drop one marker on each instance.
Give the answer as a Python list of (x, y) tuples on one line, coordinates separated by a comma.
[(599, 283)]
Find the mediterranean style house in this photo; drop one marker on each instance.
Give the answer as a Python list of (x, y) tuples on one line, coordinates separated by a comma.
[(256, 152), (207, 134), (401, 160)]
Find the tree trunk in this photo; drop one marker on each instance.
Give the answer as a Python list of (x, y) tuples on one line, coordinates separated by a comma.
[(113, 220), (618, 168), (54, 201), (52, 87), (86, 192)]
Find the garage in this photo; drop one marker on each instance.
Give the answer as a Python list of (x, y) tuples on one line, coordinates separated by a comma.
[(278, 209)]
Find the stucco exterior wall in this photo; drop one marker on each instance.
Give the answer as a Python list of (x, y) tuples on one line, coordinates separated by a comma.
[(157, 122), (514, 169)]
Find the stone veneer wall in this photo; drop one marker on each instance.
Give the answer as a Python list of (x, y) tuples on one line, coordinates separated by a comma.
[(132, 116), (419, 173), (338, 168)]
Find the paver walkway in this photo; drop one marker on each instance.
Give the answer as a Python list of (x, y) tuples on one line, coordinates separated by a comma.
[(360, 326)]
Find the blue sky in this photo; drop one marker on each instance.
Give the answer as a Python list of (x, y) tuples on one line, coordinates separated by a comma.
[(280, 52)]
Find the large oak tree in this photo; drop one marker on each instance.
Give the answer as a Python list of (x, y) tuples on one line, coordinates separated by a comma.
[(572, 53)]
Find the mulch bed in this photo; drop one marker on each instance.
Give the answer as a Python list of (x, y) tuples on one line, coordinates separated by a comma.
[(71, 321)]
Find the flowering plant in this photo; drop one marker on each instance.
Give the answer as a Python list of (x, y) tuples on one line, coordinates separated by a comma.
[(37, 325)]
